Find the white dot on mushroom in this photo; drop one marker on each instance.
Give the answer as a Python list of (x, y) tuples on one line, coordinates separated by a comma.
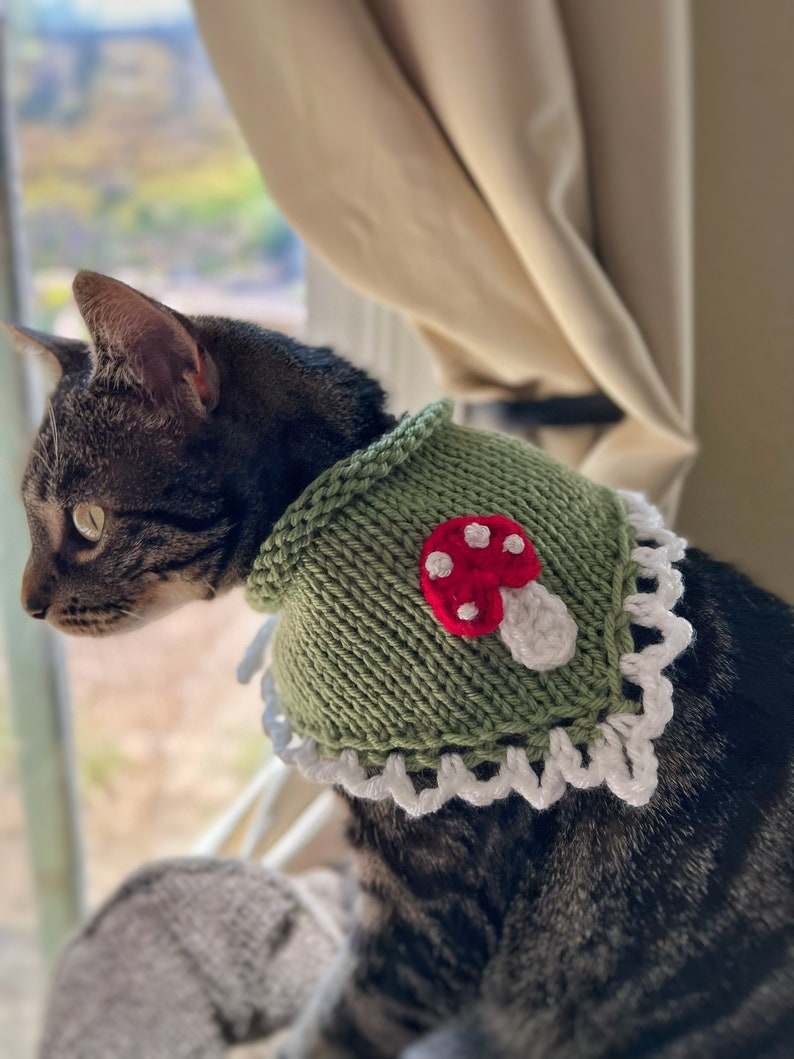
[(468, 611), (477, 535), (513, 544), (438, 564)]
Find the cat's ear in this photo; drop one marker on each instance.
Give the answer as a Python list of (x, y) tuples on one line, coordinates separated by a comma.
[(147, 343), (64, 355)]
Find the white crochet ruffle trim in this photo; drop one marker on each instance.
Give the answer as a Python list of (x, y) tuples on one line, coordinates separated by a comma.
[(623, 758)]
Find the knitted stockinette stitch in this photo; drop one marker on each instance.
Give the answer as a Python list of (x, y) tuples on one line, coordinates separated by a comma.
[(369, 683)]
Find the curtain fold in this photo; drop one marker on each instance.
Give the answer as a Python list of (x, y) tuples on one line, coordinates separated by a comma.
[(514, 178)]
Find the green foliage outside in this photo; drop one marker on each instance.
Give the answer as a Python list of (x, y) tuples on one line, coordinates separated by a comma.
[(132, 161)]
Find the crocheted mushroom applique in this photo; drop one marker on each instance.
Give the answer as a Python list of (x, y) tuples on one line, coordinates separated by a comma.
[(479, 574)]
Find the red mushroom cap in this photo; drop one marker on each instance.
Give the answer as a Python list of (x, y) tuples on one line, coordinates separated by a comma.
[(464, 563)]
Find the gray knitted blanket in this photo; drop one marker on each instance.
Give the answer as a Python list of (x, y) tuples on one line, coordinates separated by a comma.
[(191, 956)]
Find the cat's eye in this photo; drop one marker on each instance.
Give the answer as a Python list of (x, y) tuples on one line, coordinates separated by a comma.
[(89, 520)]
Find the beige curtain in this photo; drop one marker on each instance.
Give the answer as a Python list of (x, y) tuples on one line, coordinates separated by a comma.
[(463, 162), (739, 499), (516, 178)]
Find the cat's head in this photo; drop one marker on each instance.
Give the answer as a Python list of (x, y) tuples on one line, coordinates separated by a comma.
[(127, 517), (168, 448)]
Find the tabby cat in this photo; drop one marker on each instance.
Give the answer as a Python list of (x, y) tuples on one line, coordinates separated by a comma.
[(591, 929)]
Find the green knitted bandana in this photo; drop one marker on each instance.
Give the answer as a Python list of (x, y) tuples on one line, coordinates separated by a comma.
[(449, 598)]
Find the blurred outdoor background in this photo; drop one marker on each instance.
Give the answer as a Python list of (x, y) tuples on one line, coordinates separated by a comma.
[(132, 165)]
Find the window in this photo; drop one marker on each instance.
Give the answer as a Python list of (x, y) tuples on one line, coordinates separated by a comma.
[(131, 164)]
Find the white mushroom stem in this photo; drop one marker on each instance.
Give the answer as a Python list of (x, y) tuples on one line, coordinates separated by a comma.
[(537, 627)]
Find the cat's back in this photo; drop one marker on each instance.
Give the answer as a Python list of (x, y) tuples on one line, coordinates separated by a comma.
[(669, 930)]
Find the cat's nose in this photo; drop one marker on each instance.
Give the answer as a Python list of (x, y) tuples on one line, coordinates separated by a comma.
[(35, 606), (35, 599)]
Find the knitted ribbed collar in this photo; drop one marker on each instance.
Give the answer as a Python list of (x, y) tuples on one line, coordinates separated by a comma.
[(451, 598), (334, 490)]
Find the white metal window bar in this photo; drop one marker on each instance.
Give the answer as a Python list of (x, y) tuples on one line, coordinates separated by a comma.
[(39, 702)]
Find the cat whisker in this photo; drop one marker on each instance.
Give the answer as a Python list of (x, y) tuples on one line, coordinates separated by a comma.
[(55, 444), (41, 456)]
